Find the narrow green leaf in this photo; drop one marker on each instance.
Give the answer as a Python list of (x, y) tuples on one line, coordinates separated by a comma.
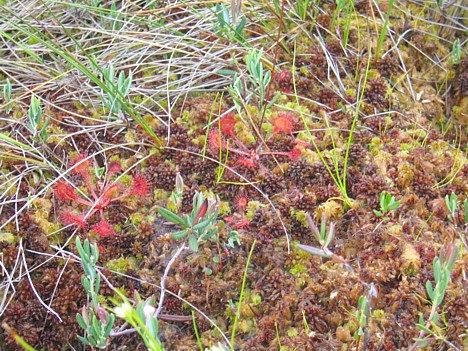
[(202, 224), (209, 234), (179, 234), (172, 217), (437, 269), (423, 328), (81, 322), (429, 289), (110, 324), (83, 340), (435, 318), (193, 242)]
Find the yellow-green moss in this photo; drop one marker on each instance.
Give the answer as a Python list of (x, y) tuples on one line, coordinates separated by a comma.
[(300, 216), (122, 265), (252, 206), (224, 208), (8, 237)]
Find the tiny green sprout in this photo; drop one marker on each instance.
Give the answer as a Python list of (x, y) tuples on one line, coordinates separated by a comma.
[(34, 114), (253, 85), (7, 95), (451, 202), (302, 8), (387, 204), (230, 25), (233, 239), (324, 238), (178, 193), (118, 91), (456, 52), (466, 210), (361, 316)]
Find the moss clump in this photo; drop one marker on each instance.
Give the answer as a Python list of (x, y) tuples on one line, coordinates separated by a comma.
[(224, 208), (122, 264), (252, 207), (300, 216)]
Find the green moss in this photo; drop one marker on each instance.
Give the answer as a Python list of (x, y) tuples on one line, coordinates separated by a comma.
[(267, 128), (252, 207), (300, 109), (300, 216), (375, 145), (244, 134), (122, 265), (136, 218), (351, 92), (406, 146), (304, 70), (292, 332), (378, 314), (373, 74), (8, 237), (137, 99), (297, 269), (161, 194), (224, 208), (246, 326)]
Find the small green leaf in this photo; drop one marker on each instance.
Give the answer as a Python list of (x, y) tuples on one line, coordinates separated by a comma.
[(437, 269), (83, 340), (179, 234), (430, 290), (81, 322), (193, 242), (234, 237), (209, 234), (202, 224), (395, 205), (110, 324), (226, 72), (423, 328), (435, 318), (172, 217), (466, 211)]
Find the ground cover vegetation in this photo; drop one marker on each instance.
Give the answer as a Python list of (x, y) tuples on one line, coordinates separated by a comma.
[(243, 175)]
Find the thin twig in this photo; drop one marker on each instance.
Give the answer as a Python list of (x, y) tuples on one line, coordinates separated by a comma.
[(164, 278)]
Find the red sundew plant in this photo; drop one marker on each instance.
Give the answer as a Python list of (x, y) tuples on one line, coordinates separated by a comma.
[(101, 195), (250, 157), (283, 123), (237, 221), (241, 202)]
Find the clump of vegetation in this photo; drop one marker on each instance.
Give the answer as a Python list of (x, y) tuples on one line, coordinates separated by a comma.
[(102, 195)]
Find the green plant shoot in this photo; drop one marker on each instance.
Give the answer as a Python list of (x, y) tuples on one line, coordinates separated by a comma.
[(387, 203)]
